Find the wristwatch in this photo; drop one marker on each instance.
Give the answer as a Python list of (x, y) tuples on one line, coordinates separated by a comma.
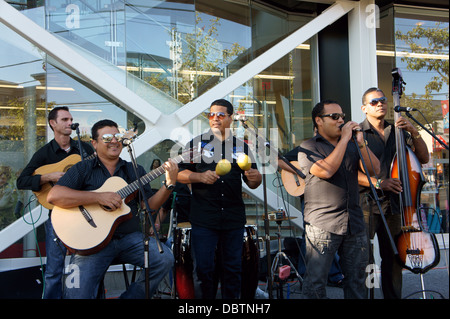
[(169, 187), (378, 184)]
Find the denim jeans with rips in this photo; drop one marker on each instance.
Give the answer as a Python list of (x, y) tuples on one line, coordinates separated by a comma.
[(321, 247)]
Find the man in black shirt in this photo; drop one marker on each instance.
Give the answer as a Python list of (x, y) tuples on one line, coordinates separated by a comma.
[(62, 146), (334, 220), (217, 210), (380, 136), (77, 187)]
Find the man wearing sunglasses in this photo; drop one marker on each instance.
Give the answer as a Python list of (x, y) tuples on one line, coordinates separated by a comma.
[(380, 136), (59, 148), (77, 187), (333, 218), (217, 210)]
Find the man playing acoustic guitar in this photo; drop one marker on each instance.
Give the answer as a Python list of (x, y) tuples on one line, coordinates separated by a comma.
[(89, 187), (55, 151)]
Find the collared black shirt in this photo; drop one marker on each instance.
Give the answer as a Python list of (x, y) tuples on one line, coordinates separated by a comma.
[(50, 153), (385, 151), (91, 174), (220, 205), (331, 204)]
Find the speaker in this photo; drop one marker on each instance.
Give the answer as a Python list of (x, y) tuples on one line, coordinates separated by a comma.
[(25, 283)]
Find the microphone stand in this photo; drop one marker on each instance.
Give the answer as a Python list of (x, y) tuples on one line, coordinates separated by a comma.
[(173, 232), (266, 217), (427, 130), (266, 220), (147, 219), (77, 130)]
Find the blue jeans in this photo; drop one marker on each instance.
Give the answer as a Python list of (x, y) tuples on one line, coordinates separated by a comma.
[(87, 272), (321, 248), (56, 253), (228, 245), (335, 273)]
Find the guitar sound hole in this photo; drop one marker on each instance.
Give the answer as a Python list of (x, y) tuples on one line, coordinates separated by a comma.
[(107, 208)]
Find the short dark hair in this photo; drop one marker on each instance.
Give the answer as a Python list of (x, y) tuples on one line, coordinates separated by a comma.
[(318, 110), (370, 90), (101, 124), (223, 102), (53, 114)]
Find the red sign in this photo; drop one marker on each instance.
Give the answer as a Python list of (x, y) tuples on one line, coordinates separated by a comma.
[(266, 85), (438, 146), (444, 105)]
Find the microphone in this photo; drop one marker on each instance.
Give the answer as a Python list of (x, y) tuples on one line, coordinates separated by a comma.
[(126, 141), (239, 117), (74, 126), (358, 129), (403, 109)]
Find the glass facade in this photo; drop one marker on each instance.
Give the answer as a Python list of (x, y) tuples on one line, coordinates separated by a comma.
[(170, 53)]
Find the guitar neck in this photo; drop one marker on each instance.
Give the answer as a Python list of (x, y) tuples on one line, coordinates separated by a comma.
[(147, 178)]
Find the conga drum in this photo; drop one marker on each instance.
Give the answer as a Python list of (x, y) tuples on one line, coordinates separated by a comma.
[(183, 261)]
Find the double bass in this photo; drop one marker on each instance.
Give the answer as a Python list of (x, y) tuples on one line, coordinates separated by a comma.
[(418, 250)]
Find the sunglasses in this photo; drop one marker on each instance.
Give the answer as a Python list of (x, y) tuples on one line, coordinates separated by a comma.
[(107, 138), (375, 102), (220, 115), (334, 116)]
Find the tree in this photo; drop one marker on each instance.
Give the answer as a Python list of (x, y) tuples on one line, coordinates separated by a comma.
[(204, 52), (427, 41)]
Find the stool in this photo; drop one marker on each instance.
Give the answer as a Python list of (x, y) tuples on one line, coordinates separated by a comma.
[(101, 288)]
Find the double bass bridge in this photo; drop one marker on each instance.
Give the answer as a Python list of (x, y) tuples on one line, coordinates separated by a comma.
[(415, 257)]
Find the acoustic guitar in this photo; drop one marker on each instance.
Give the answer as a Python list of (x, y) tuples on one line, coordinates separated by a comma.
[(292, 182), (62, 166), (87, 229)]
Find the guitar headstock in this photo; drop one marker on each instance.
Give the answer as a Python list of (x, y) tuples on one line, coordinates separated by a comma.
[(131, 134)]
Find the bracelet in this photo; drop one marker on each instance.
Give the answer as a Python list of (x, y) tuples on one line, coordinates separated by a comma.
[(416, 137), (377, 185), (364, 145)]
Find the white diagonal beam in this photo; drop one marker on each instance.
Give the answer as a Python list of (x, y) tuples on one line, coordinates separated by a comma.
[(191, 110), (76, 63), (259, 64)]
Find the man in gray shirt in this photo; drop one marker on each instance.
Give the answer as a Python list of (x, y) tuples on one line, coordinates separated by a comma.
[(333, 218)]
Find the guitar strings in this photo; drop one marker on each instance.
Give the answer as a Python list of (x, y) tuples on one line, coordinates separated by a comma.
[(147, 178)]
